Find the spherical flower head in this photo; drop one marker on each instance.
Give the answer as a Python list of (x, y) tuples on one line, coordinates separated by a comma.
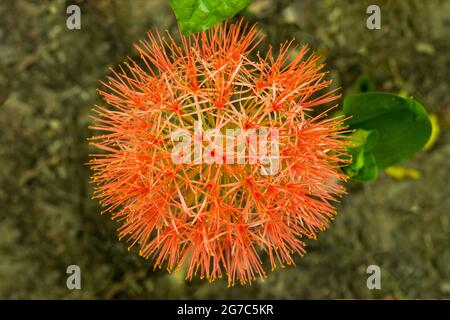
[(209, 155)]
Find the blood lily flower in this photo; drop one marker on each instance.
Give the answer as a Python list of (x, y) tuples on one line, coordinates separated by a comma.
[(218, 218)]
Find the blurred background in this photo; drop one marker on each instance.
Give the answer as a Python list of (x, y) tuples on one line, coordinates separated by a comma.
[(48, 81)]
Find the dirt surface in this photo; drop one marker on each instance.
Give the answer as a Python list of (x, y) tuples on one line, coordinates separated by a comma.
[(48, 81)]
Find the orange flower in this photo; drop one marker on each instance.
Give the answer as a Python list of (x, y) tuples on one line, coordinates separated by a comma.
[(217, 217)]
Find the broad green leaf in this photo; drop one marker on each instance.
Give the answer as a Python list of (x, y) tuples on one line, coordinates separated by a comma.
[(365, 138), (363, 166), (402, 124), (198, 15)]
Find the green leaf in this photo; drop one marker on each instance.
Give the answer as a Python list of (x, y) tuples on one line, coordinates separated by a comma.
[(402, 124), (363, 166), (198, 15)]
